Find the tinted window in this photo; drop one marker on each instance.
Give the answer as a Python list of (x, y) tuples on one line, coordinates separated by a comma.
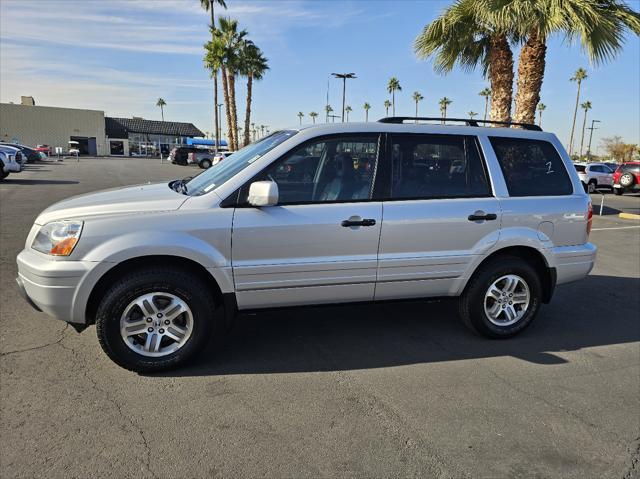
[(326, 170), (432, 166), (580, 168), (632, 168), (597, 169), (531, 167)]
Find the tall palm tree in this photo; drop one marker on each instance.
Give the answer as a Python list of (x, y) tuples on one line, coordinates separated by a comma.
[(472, 114), (366, 108), (444, 103), (253, 65), (161, 103), (313, 116), (417, 97), (579, 76), (486, 93), (387, 105), (469, 33), (392, 87), (586, 106), (328, 110), (541, 107), (208, 6), (347, 110), (300, 116), (599, 25)]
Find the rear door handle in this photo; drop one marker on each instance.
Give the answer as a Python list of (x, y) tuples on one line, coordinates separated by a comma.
[(477, 216), (362, 222)]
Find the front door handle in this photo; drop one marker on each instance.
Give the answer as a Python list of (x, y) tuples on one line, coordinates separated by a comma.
[(362, 222), (480, 215)]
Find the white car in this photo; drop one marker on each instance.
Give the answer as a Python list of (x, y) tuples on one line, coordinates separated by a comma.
[(594, 176), (8, 162), (221, 156)]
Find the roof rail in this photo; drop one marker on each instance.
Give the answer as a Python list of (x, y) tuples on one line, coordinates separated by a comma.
[(466, 121)]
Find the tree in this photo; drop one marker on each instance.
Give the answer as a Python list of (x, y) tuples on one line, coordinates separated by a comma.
[(366, 108), (392, 87), (444, 103), (253, 65), (208, 6), (578, 77), (469, 33), (328, 110), (387, 105), (347, 110), (541, 107), (586, 106), (300, 116), (618, 149), (417, 97), (313, 116), (600, 26), (472, 114), (486, 93), (161, 103)]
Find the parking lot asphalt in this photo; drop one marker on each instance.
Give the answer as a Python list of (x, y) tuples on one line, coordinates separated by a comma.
[(391, 390)]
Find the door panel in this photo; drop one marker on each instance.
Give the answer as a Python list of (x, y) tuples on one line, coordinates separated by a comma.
[(301, 254)]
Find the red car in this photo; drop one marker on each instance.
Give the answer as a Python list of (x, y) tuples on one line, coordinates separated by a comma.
[(627, 178), (46, 149)]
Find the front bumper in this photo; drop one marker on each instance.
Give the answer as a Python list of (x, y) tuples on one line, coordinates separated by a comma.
[(573, 262)]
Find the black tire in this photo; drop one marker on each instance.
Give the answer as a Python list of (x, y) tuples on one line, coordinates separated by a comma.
[(618, 191), (186, 286), (471, 303), (205, 164), (592, 184)]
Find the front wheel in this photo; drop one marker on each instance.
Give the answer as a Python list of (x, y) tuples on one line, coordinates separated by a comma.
[(155, 319), (591, 187), (502, 298)]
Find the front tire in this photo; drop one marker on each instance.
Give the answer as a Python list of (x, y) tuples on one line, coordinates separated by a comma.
[(502, 298), (155, 319), (592, 186)]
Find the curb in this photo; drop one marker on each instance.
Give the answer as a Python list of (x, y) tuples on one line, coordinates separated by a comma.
[(629, 216)]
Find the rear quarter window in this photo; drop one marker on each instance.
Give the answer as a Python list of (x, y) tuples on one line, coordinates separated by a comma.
[(531, 167)]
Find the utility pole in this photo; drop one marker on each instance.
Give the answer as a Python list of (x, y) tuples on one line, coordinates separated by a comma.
[(344, 77), (590, 137), (219, 133)]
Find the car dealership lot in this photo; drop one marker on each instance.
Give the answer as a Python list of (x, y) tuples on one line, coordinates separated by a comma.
[(381, 390)]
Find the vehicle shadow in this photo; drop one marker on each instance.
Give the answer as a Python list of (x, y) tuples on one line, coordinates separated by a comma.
[(600, 310), (18, 181)]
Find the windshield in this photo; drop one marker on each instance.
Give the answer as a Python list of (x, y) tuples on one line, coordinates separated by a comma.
[(234, 164)]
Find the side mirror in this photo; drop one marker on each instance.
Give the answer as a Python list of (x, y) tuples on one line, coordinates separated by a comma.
[(263, 193)]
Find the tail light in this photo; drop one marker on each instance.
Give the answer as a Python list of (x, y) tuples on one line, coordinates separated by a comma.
[(589, 218)]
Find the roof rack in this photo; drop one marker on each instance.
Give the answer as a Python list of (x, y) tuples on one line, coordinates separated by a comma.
[(466, 121)]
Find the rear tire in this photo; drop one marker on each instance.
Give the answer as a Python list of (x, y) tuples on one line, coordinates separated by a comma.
[(618, 191), (476, 302), (123, 326), (205, 164)]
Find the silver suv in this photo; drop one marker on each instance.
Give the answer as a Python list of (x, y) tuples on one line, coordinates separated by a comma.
[(322, 214)]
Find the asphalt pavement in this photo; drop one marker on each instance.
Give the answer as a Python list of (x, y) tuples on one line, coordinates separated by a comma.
[(391, 390)]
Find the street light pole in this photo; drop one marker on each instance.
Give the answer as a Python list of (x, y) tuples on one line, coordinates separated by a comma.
[(344, 77), (590, 137)]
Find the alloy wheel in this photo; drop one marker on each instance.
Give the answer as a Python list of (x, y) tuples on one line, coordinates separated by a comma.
[(507, 300)]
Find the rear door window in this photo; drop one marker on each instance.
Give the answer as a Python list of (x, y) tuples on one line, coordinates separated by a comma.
[(531, 167)]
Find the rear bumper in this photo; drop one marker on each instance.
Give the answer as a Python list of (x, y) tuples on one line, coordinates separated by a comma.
[(633, 187), (573, 262)]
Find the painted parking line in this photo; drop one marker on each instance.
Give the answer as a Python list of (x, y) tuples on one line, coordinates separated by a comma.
[(615, 228)]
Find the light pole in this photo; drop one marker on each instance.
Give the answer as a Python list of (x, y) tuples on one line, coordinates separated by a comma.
[(219, 133), (344, 77), (590, 137)]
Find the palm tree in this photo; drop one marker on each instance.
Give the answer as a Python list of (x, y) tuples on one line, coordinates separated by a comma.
[(577, 77), (444, 103), (366, 107), (472, 114), (347, 110), (469, 33), (417, 97), (586, 106), (387, 105), (208, 6), (300, 116), (541, 107), (253, 65), (392, 87), (161, 103), (313, 116), (328, 110), (600, 26), (486, 93)]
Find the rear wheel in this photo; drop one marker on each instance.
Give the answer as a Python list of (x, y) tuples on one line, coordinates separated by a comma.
[(155, 319), (205, 164), (618, 191), (502, 298)]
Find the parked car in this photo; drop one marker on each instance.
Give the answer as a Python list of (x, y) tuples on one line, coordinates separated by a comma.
[(16, 153), (202, 157), (594, 176), (627, 178), (46, 149), (29, 154), (222, 155), (8, 163), (179, 155), (496, 217)]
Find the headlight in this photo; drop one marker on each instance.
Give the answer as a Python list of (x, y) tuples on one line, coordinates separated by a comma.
[(58, 238)]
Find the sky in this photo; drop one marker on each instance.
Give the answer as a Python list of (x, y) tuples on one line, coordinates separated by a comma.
[(120, 56)]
